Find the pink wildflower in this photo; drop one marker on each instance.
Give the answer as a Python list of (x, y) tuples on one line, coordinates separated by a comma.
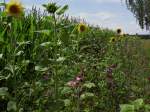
[(79, 78), (72, 83)]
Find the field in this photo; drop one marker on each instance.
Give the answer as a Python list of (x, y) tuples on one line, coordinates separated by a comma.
[(146, 45), (50, 62)]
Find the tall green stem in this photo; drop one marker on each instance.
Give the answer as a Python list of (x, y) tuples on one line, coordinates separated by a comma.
[(78, 99), (55, 56), (54, 16)]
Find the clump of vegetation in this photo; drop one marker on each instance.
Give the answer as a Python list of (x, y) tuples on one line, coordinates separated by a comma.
[(49, 63), (135, 106)]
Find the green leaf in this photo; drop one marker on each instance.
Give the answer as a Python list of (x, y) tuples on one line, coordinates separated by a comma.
[(10, 68), (138, 103), (45, 44), (46, 32), (147, 108), (11, 106), (3, 91), (67, 102), (50, 18), (1, 56), (89, 85), (21, 110), (62, 10), (61, 59), (127, 108), (19, 53), (87, 95), (66, 90), (24, 43), (41, 69), (3, 14), (2, 4), (5, 77)]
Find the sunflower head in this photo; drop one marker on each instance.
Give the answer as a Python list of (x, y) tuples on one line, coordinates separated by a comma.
[(14, 8), (51, 7), (82, 27), (119, 31), (113, 39)]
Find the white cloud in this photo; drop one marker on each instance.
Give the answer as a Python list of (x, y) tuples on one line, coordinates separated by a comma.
[(107, 1), (101, 16)]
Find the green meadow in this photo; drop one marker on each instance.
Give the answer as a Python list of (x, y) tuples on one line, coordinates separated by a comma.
[(50, 62)]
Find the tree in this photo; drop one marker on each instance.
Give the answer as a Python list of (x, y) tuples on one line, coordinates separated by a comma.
[(141, 10)]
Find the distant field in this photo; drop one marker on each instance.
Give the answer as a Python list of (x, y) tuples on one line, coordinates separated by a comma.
[(146, 45)]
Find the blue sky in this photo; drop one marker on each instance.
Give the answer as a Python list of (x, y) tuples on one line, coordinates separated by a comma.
[(105, 13)]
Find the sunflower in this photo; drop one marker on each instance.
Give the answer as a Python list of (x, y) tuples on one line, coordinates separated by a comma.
[(119, 31), (51, 7), (82, 27), (14, 8), (113, 39)]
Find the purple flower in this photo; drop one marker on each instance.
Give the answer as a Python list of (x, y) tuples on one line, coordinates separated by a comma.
[(79, 78)]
